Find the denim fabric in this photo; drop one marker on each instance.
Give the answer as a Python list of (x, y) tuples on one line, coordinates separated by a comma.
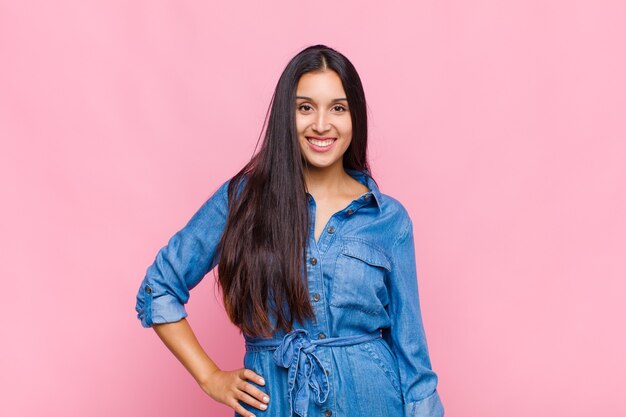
[(295, 352), (365, 353)]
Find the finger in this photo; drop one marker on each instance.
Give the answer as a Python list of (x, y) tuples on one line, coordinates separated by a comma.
[(251, 375), (247, 399), (242, 411), (254, 392)]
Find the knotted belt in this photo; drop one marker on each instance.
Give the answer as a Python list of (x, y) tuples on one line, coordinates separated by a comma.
[(295, 352)]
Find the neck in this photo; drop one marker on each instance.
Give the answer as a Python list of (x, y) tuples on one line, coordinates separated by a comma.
[(324, 181)]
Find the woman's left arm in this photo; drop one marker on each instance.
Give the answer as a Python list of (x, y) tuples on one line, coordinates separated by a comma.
[(406, 336)]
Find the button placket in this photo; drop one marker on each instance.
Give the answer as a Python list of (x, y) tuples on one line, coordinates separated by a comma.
[(315, 282)]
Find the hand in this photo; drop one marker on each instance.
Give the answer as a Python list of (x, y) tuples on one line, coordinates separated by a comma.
[(230, 387)]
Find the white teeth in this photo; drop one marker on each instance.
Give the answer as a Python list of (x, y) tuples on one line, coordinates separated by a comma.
[(321, 142)]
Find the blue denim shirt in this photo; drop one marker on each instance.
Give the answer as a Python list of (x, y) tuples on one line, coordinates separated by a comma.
[(363, 287)]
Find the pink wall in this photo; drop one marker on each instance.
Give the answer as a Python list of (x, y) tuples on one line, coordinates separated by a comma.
[(118, 119)]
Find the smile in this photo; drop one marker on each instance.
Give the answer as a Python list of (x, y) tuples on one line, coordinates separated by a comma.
[(322, 142)]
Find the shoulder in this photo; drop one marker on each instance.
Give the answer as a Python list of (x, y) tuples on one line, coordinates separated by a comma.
[(392, 209), (219, 191), (222, 189), (395, 210), (216, 201)]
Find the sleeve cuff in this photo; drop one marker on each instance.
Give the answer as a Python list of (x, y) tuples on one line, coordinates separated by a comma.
[(163, 309), (430, 406)]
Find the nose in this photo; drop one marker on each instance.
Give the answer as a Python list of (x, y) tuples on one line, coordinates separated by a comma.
[(321, 124)]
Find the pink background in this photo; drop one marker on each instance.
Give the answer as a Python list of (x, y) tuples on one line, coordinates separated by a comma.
[(499, 124)]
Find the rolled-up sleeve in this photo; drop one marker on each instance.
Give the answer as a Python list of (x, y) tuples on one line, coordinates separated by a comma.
[(406, 335), (180, 265)]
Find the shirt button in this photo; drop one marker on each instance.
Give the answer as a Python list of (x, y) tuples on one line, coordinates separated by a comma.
[(148, 289), (330, 229), (367, 196), (327, 372), (328, 413), (321, 336), (316, 297), (350, 211), (313, 261)]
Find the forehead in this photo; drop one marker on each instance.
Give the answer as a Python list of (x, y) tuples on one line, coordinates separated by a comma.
[(320, 85)]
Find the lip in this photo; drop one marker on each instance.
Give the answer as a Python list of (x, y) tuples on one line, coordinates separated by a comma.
[(321, 149), (321, 137)]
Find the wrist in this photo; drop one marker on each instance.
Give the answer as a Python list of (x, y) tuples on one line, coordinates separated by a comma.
[(207, 375)]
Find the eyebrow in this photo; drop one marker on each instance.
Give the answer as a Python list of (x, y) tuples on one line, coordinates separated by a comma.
[(310, 99)]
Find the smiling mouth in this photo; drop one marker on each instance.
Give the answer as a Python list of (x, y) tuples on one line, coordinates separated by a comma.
[(317, 141)]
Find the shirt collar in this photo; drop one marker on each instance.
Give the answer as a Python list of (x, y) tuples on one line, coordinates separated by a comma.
[(365, 179)]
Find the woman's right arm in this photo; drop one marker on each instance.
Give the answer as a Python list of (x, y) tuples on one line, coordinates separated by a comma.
[(178, 267), (181, 264), (226, 387)]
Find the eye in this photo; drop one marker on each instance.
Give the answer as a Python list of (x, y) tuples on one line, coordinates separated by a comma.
[(341, 108), (304, 107)]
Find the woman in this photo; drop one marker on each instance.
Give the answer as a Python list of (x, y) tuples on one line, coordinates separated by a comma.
[(316, 266)]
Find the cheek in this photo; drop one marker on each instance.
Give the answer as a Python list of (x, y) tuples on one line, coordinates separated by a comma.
[(346, 128), (300, 124)]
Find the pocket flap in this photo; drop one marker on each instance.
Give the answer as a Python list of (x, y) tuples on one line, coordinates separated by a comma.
[(367, 252)]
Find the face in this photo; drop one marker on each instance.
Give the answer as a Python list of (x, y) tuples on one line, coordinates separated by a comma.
[(322, 119)]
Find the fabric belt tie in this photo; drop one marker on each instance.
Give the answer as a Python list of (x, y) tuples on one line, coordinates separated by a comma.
[(295, 352)]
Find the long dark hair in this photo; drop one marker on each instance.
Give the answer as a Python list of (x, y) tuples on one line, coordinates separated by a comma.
[(261, 268)]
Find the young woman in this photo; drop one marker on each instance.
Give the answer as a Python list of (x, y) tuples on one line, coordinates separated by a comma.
[(315, 263)]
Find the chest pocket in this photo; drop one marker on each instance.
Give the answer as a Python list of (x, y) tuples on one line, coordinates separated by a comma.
[(360, 276)]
